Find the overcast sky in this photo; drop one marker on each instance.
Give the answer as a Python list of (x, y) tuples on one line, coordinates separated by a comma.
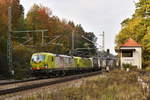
[(94, 15)]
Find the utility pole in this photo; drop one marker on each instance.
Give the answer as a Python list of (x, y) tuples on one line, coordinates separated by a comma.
[(42, 38), (72, 43), (103, 43), (9, 42)]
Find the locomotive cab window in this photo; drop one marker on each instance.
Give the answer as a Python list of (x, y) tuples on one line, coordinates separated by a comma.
[(38, 58), (127, 53)]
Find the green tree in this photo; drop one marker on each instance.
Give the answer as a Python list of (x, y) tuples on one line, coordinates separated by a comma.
[(137, 27), (146, 46)]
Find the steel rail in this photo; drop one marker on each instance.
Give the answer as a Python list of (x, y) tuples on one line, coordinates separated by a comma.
[(19, 81), (38, 85)]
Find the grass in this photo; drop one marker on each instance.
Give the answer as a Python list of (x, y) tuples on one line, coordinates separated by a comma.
[(116, 85)]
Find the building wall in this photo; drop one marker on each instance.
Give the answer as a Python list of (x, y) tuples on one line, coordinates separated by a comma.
[(136, 60)]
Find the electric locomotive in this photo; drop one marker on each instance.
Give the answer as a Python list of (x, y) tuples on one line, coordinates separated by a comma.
[(49, 63)]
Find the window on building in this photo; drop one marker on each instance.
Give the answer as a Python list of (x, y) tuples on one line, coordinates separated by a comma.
[(127, 53)]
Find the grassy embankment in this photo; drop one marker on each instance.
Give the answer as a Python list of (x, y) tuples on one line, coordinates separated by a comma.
[(116, 85)]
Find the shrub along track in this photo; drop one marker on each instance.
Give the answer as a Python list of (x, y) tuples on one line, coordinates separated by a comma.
[(46, 82)]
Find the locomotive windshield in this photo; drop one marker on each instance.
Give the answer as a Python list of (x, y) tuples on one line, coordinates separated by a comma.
[(38, 58)]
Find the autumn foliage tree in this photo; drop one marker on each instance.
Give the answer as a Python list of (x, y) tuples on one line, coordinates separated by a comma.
[(17, 24), (58, 38), (17, 19), (137, 27), (40, 17)]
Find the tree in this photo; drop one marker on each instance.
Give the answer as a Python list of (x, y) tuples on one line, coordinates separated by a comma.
[(17, 24), (146, 46), (17, 18), (40, 17), (137, 27)]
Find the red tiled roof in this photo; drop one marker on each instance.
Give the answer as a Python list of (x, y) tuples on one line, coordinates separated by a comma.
[(130, 43)]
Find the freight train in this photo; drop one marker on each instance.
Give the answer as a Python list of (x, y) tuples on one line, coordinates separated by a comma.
[(53, 64)]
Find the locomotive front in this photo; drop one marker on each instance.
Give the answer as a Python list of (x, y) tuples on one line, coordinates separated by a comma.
[(38, 61)]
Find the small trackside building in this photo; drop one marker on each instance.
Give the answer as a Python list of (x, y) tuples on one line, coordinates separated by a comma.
[(131, 53)]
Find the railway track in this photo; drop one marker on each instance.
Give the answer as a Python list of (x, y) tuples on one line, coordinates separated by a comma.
[(49, 82), (17, 81)]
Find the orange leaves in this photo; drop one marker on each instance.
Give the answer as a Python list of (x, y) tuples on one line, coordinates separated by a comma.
[(44, 11), (38, 17)]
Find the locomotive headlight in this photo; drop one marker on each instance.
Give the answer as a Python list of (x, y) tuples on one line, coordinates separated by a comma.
[(46, 66)]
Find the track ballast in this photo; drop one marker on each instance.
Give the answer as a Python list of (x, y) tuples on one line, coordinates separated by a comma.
[(39, 85)]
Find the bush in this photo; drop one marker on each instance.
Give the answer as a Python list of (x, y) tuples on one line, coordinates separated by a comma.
[(3, 65), (146, 65), (117, 85), (126, 65), (21, 62)]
